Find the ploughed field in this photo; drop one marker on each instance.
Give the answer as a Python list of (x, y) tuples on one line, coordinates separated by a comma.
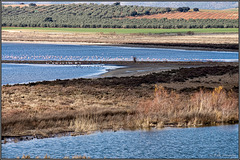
[(206, 95), (203, 14)]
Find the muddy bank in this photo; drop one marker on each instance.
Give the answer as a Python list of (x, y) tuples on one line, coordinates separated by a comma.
[(132, 68), (219, 42), (80, 106), (185, 46)]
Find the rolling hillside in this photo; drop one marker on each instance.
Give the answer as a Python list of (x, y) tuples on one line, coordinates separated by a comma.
[(194, 4), (114, 16)]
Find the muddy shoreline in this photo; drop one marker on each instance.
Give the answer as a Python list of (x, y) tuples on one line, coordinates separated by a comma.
[(184, 46), (15, 139), (119, 62), (131, 68)]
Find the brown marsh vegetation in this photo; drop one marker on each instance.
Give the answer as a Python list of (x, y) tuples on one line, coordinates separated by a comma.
[(180, 97)]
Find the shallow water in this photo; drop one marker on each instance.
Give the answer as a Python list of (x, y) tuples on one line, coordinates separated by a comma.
[(206, 142), (25, 73), (24, 51)]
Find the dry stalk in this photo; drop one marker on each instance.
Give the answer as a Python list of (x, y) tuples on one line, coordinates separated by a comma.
[(201, 108)]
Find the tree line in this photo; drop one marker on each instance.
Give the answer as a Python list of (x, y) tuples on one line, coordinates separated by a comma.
[(102, 16)]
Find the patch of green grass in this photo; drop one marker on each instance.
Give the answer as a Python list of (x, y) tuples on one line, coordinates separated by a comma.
[(124, 31), (231, 9)]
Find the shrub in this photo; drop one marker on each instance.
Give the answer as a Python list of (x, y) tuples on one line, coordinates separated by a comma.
[(133, 13), (195, 9), (32, 5), (190, 33)]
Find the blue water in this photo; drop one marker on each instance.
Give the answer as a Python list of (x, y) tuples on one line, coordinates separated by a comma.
[(18, 51), (25, 73), (207, 142)]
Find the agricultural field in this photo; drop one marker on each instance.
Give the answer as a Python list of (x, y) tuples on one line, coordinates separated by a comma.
[(115, 16), (121, 30), (231, 9), (203, 14)]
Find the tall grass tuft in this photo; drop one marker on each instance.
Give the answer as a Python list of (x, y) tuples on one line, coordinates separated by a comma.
[(84, 123), (200, 108)]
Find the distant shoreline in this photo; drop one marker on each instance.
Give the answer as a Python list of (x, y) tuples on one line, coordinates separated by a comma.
[(64, 43), (186, 46)]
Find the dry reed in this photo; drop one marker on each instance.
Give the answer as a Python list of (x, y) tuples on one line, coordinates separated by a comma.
[(200, 108), (84, 123)]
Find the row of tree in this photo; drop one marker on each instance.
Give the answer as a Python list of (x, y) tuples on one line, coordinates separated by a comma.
[(101, 16), (76, 22), (100, 11)]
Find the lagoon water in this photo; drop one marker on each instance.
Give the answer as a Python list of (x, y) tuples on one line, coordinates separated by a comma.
[(206, 142), (24, 51), (24, 73)]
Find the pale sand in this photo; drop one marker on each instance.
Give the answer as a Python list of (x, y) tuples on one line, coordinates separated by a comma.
[(65, 43)]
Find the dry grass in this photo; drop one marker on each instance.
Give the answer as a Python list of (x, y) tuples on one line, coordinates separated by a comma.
[(201, 108), (84, 123), (43, 110)]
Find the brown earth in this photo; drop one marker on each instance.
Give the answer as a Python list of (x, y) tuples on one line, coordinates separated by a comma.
[(79, 106), (204, 14), (228, 42)]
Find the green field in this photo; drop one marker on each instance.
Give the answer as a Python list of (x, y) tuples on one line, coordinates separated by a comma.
[(120, 31)]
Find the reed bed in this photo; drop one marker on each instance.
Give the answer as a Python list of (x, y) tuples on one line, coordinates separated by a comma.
[(200, 108)]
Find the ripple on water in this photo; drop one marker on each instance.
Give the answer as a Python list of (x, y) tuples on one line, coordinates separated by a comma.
[(205, 142)]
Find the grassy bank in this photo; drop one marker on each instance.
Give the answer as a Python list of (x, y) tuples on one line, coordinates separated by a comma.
[(124, 31), (188, 97)]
